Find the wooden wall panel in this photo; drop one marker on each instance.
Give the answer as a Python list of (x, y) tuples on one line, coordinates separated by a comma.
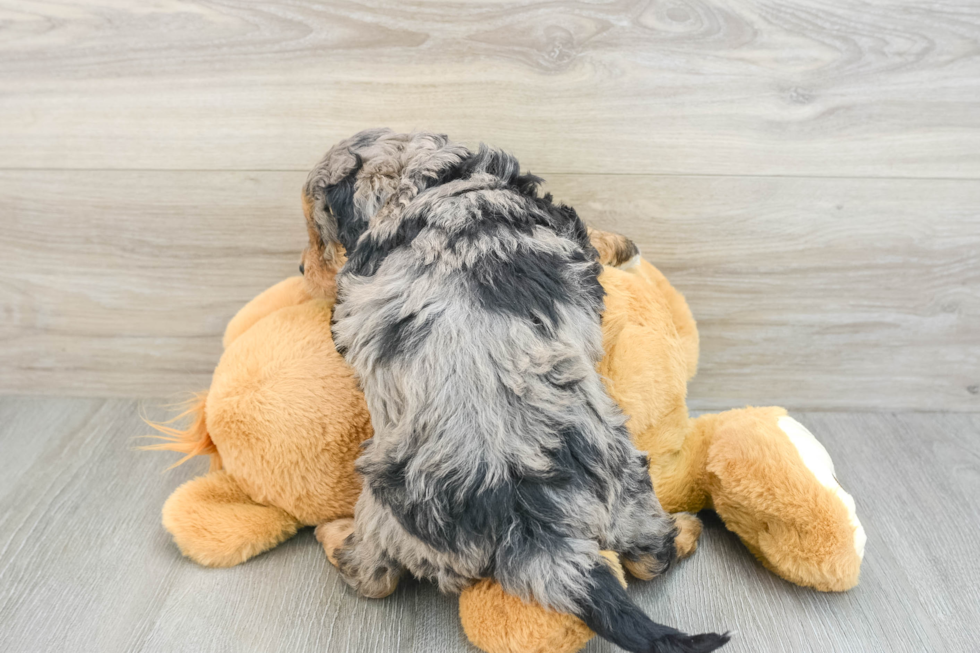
[(820, 293), (799, 87), (806, 171)]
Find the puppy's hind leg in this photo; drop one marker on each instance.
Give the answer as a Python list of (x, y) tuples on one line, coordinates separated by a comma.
[(359, 558), (651, 550), (655, 551), (648, 539)]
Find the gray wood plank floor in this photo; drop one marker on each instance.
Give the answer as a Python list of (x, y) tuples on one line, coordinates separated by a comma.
[(86, 566)]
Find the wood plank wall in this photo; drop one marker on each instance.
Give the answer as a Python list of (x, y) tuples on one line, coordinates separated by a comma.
[(806, 172)]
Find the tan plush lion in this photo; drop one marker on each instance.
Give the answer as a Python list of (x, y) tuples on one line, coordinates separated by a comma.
[(283, 422)]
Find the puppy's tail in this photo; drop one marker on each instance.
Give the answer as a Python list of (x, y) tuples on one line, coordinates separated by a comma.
[(584, 584), (608, 610)]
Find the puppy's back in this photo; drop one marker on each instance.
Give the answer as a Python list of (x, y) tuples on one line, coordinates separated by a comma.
[(472, 317)]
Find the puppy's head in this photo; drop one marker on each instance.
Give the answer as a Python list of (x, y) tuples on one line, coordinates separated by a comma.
[(333, 221), (363, 179)]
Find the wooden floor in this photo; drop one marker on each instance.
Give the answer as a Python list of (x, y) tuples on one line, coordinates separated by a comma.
[(86, 566)]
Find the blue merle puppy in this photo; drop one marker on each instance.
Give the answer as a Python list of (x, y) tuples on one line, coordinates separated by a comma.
[(469, 307)]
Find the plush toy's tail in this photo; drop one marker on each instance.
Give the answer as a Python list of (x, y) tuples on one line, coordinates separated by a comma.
[(192, 441), (609, 611)]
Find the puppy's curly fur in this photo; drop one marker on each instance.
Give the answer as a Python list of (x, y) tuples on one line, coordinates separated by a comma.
[(470, 309)]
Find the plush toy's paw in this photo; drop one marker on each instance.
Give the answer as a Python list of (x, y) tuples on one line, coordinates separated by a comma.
[(688, 532), (498, 622), (332, 535), (216, 524), (773, 484)]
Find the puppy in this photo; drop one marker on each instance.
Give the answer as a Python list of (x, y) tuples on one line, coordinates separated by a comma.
[(469, 308)]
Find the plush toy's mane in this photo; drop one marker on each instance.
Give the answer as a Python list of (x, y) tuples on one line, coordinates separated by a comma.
[(191, 441)]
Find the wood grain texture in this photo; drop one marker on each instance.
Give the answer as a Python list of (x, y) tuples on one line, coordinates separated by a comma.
[(128, 279), (800, 87), (826, 293), (86, 566)]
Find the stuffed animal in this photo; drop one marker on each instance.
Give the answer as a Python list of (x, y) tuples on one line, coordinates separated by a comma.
[(284, 419)]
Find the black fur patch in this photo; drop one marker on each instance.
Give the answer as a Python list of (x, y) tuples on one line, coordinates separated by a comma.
[(609, 612), (340, 200), (368, 256), (522, 286), (585, 461), (460, 514), (526, 506), (402, 337), (566, 222), (493, 162), (454, 172), (575, 464)]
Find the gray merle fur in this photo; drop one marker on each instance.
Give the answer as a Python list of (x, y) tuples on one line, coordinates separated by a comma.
[(469, 307)]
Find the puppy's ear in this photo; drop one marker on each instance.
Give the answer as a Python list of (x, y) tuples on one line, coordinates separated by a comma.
[(319, 264), (613, 249), (332, 217)]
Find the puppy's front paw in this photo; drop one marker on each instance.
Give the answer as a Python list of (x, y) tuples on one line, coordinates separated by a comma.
[(332, 535), (688, 532)]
